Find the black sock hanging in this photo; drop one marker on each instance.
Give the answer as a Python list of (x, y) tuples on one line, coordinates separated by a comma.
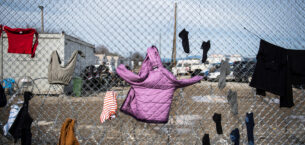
[(217, 120), (205, 46), (206, 139), (234, 136), (185, 40), (3, 100), (250, 125)]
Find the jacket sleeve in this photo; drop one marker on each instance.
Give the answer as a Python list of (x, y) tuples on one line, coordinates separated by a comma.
[(187, 82), (183, 82), (131, 77)]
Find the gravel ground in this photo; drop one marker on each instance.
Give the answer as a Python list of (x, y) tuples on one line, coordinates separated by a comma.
[(190, 118)]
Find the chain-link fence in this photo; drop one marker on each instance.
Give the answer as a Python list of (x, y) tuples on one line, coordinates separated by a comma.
[(110, 33)]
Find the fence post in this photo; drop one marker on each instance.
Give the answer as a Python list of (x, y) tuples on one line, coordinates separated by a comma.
[(173, 61)]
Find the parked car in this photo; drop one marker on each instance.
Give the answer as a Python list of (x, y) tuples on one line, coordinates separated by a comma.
[(181, 68), (243, 70), (199, 69), (230, 77), (200, 73), (214, 76), (190, 66)]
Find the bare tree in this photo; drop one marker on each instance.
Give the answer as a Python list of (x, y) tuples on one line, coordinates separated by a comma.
[(101, 49), (137, 57), (117, 54)]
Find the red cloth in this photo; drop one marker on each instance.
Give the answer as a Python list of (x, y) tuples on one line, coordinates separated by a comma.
[(21, 40)]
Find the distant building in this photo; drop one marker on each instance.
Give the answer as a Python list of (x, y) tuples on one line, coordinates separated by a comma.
[(111, 61), (101, 58)]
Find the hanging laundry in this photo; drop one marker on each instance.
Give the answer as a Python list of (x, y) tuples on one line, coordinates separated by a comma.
[(109, 107), (224, 71), (185, 40), (260, 92), (205, 46), (250, 126), (3, 99), (150, 96), (206, 139), (21, 40), (62, 75), (67, 135), (234, 136), (13, 114), (21, 128), (277, 69), (217, 120), (232, 99)]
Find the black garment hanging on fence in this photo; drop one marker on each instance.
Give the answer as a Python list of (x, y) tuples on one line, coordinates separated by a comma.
[(185, 40), (3, 100), (277, 69), (21, 128), (205, 46)]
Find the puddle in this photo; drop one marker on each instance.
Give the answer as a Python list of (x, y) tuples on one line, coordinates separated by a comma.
[(210, 99)]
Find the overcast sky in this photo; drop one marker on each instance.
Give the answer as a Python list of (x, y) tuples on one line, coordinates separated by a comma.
[(126, 26)]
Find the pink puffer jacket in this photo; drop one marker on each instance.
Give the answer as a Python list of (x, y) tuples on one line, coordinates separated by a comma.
[(150, 96)]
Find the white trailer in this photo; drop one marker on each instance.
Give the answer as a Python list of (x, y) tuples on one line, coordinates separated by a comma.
[(18, 66)]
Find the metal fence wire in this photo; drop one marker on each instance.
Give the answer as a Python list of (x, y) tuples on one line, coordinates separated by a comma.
[(110, 33)]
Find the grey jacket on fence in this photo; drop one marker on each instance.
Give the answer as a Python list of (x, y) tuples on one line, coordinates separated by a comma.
[(62, 75), (224, 71)]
